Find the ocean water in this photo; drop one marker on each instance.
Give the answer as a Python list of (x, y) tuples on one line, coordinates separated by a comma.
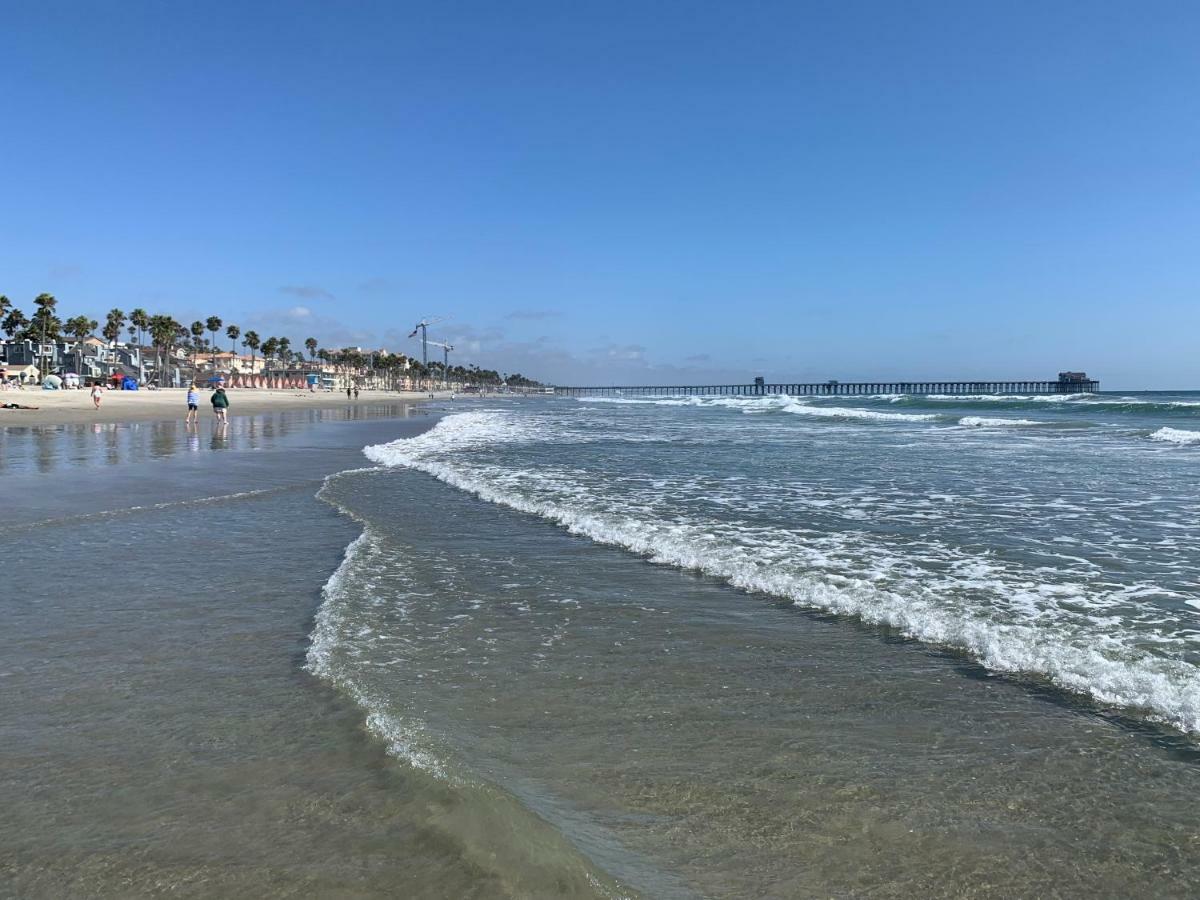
[(159, 734), (787, 647), (768, 647)]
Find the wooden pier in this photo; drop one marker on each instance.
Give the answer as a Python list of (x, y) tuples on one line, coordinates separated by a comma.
[(1062, 385)]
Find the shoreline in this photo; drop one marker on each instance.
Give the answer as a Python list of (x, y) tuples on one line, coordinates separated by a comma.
[(75, 407)]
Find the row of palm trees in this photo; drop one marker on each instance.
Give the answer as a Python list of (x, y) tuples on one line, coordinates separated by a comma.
[(168, 337)]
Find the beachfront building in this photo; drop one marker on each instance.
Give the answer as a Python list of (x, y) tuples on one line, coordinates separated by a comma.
[(17, 375), (227, 362), (91, 359)]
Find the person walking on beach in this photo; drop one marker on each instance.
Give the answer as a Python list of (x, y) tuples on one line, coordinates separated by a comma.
[(348, 392), (97, 395), (220, 404), (356, 392), (193, 402)]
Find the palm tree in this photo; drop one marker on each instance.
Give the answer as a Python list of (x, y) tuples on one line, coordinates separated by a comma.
[(113, 323), (158, 327), (45, 323), (311, 344), (252, 341), (197, 331), (5, 306), (139, 320), (269, 347), (232, 332), (79, 328), (213, 324), (14, 322), (283, 348)]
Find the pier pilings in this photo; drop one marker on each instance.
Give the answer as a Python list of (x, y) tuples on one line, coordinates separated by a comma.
[(836, 388)]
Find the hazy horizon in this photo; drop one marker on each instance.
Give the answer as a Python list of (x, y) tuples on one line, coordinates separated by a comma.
[(623, 194)]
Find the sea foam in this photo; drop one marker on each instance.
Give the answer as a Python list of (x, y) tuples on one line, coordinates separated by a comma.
[(1176, 436), (1115, 674), (777, 403), (992, 422)]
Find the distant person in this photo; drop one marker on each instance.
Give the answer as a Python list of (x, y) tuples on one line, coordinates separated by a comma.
[(356, 393), (220, 404), (97, 395), (193, 403), (348, 392)]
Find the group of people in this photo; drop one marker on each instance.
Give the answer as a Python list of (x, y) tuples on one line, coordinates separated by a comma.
[(219, 400)]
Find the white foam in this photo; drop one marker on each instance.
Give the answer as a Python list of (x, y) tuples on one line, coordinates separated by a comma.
[(1103, 667), (1176, 436), (843, 412), (991, 422), (404, 737), (801, 406)]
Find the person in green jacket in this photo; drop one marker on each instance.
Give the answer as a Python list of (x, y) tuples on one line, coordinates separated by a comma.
[(220, 404)]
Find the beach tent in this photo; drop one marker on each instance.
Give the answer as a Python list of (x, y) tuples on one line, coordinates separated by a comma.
[(129, 384), (71, 380), (51, 383)]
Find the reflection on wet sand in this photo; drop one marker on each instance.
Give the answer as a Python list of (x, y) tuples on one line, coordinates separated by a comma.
[(97, 444)]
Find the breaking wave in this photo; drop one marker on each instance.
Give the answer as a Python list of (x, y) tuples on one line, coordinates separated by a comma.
[(1176, 436), (986, 422), (1110, 670), (770, 404)]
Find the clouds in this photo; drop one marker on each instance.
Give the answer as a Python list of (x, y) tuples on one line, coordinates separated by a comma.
[(300, 322), (622, 352), (307, 292)]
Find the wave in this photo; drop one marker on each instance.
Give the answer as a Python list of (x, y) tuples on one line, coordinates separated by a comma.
[(1166, 689), (1176, 436), (167, 504), (493, 826), (986, 422), (403, 739), (770, 403), (1063, 402)]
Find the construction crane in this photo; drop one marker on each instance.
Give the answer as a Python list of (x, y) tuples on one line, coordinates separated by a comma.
[(423, 327), (446, 348)]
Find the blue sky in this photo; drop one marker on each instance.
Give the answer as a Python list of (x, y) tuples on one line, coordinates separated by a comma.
[(624, 192)]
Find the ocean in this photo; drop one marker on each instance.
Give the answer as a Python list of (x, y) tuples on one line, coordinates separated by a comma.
[(885, 646)]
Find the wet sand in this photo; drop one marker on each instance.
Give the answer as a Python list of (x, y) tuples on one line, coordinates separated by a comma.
[(159, 735), (75, 407)]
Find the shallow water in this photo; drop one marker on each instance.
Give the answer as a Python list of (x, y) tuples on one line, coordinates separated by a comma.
[(159, 734), (488, 703)]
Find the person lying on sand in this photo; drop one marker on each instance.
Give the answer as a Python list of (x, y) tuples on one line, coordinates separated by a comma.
[(15, 406)]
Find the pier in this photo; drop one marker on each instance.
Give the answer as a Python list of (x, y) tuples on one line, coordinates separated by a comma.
[(1066, 383)]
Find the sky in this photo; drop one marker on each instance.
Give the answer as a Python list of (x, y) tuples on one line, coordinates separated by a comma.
[(624, 193)]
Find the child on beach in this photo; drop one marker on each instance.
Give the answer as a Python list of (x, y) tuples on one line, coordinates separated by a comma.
[(193, 402), (220, 404), (97, 395)]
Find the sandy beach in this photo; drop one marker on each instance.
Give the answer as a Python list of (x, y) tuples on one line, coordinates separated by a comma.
[(75, 407)]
